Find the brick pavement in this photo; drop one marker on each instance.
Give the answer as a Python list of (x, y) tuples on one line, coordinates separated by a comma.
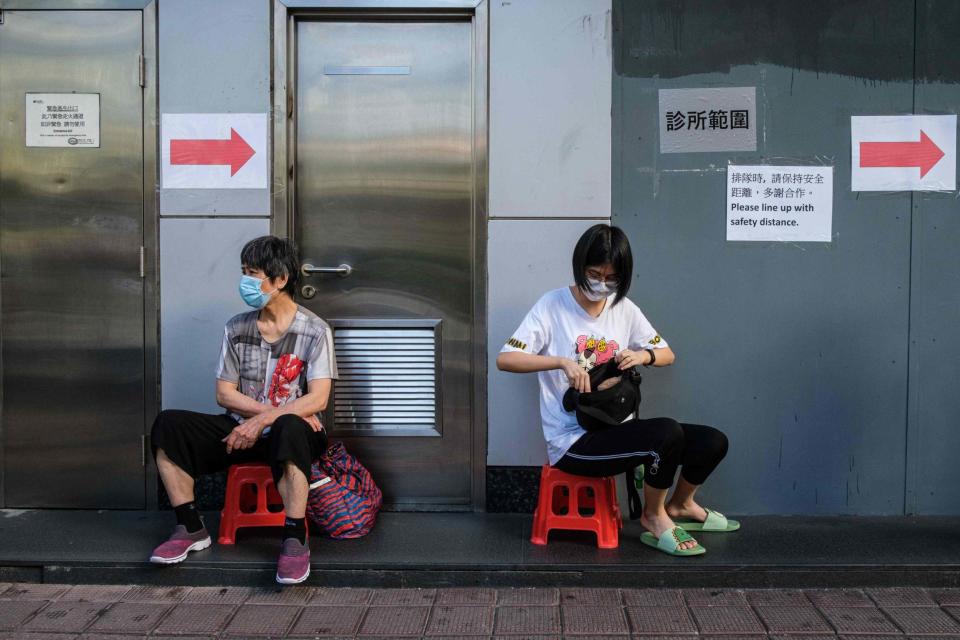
[(59, 612)]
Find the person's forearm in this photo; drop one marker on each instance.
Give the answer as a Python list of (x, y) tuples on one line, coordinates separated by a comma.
[(305, 406), (234, 401), (520, 362), (664, 357)]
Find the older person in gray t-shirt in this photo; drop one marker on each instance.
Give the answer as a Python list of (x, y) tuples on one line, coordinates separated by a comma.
[(274, 376)]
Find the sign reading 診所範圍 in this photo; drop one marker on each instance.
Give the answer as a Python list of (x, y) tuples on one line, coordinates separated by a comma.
[(697, 120)]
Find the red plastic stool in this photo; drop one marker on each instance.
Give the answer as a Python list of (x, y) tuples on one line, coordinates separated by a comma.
[(250, 496), (579, 503)]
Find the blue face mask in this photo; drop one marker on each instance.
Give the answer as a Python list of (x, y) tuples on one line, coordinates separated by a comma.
[(251, 293)]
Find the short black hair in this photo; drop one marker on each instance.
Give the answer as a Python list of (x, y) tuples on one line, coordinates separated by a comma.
[(600, 244), (274, 256)]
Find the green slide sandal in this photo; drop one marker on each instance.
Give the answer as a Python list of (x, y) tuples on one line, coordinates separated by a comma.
[(669, 541), (715, 521)]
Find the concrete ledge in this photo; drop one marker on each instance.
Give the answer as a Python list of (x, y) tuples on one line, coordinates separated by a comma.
[(470, 549), (715, 577)]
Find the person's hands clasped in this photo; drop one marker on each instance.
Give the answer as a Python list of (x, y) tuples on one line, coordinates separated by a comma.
[(628, 358), (245, 435), (314, 423), (578, 378)]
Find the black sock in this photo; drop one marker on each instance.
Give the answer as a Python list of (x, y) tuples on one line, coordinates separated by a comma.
[(188, 516), (295, 528)]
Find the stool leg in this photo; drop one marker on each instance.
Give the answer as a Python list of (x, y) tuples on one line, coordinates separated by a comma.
[(539, 531), (262, 490), (228, 515), (612, 484), (608, 534), (573, 506)]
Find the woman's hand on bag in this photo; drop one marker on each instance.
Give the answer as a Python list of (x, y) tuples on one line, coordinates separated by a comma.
[(578, 378), (628, 358)]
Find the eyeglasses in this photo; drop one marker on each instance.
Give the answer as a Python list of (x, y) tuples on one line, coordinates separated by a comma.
[(611, 280)]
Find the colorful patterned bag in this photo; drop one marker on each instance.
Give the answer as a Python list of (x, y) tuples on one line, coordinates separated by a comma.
[(343, 499)]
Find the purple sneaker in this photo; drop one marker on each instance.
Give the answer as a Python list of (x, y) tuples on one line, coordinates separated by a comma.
[(293, 565), (178, 545)]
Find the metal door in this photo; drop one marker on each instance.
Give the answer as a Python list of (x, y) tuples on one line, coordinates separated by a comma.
[(384, 182), (71, 230)]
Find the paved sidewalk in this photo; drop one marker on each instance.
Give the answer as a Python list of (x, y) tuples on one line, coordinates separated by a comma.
[(50, 611)]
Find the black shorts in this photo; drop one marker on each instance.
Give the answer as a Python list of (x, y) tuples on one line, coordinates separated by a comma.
[(194, 442)]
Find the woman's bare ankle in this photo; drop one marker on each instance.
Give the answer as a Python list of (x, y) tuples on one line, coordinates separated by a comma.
[(659, 520)]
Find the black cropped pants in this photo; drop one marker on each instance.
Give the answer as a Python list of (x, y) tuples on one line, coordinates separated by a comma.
[(659, 444), (193, 442)]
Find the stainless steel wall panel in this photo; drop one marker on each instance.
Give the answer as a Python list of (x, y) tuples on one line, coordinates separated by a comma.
[(385, 183), (71, 228)]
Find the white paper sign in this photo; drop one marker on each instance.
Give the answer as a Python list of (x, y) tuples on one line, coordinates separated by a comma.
[(62, 119), (702, 119), (903, 153), (213, 150), (780, 204)]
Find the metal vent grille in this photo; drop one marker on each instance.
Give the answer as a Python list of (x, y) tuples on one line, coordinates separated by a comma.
[(388, 379)]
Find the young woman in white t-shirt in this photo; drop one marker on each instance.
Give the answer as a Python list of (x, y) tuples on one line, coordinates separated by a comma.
[(573, 329)]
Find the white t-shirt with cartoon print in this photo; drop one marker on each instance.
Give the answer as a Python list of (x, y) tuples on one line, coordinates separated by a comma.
[(558, 326)]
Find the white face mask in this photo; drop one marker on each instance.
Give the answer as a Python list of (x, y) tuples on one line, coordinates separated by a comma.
[(599, 290)]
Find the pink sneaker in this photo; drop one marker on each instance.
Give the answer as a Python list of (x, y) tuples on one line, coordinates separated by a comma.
[(178, 545), (293, 565)]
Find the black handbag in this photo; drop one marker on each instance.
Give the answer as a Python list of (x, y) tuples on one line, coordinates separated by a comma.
[(601, 409), (607, 408)]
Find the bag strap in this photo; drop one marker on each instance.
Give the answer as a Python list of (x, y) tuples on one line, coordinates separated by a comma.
[(633, 496), (596, 414)]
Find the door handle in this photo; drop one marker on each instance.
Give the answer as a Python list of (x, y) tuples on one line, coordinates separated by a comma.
[(343, 270)]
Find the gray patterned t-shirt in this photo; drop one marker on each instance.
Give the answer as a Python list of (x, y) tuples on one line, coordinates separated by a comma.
[(276, 372)]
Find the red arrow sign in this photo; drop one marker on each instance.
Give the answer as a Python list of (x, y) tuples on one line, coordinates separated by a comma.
[(924, 154), (234, 152)]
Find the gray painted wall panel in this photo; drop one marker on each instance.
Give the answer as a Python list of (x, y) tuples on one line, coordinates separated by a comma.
[(199, 277), (215, 202), (797, 351), (550, 80), (935, 340), (527, 258), (550, 108), (214, 58)]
